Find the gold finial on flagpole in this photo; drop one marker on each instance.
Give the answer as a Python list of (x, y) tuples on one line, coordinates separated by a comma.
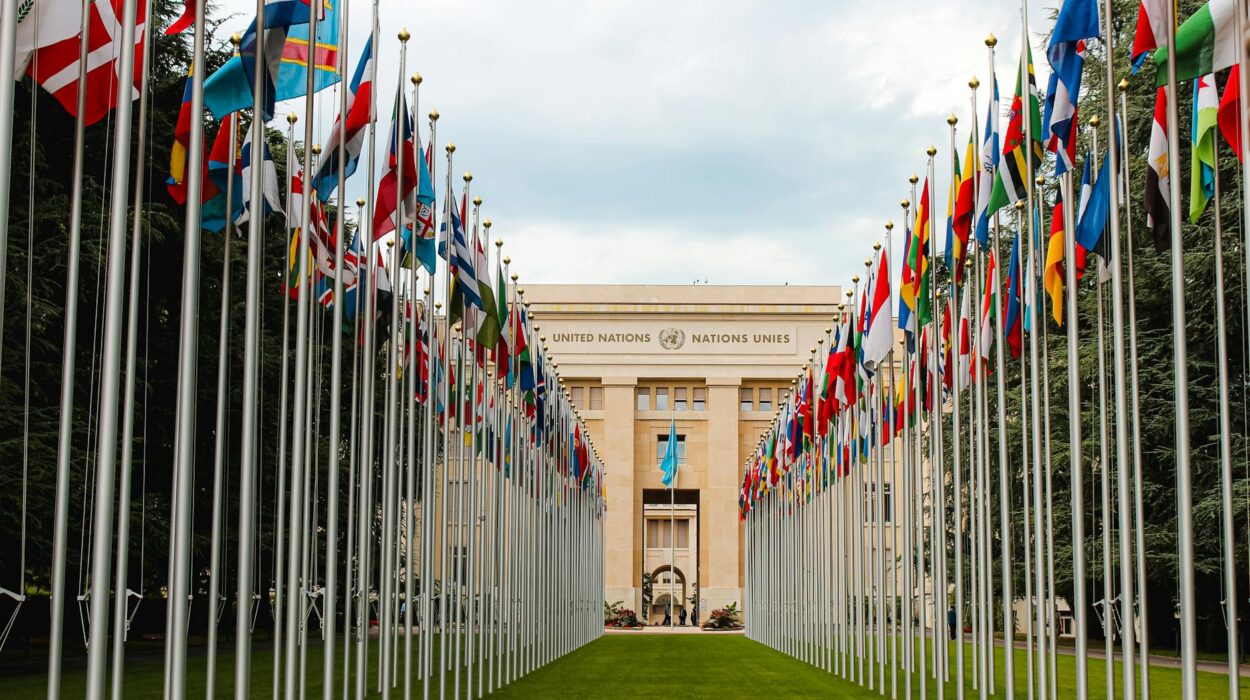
[(905, 204), (1039, 180), (416, 79), (889, 225), (477, 201), (1094, 121), (498, 242), (1123, 84), (931, 150), (1019, 204), (854, 280), (468, 176), (360, 201), (914, 178), (291, 118), (404, 35), (876, 246), (952, 120), (451, 148), (974, 83), (991, 41), (434, 115), (316, 149), (236, 39)]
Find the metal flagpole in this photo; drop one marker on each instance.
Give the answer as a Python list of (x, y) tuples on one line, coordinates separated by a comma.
[(937, 479), (121, 591), (294, 582), (184, 431), (65, 425), (333, 456), (8, 67), (1139, 538), (352, 456), (409, 402), (249, 452), (223, 405), (956, 429), (1180, 357), (1080, 608), (1024, 471), (448, 432), (279, 596), (1104, 476)]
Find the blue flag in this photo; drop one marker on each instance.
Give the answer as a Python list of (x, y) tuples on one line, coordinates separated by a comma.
[(229, 88), (669, 465)]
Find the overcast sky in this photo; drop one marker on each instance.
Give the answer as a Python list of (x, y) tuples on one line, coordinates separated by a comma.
[(737, 141)]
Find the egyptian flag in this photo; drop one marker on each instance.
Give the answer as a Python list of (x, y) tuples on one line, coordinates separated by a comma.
[(1157, 199)]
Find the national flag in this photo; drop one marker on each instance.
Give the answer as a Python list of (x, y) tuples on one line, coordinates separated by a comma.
[(964, 374), (989, 310), (951, 253), (177, 182), (502, 351), (221, 165), (670, 465), (989, 166), (44, 23), (1011, 181), (917, 259), (269, 181), (1157, 197), (947, 350), (1206, 43), (964, 205), (1094, 209), (1077, 22), (55, 66), (879, 338), (393, 186), (461, 261), (292, 79), (1151, 33), (906, 293), (185, 20), (487, 321), (229, 88), (1202, 145), (1230, 111), (351, 129), (1013, 325), (1053, 279)]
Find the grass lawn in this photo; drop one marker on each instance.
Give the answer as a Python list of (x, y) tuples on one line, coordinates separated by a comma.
[(616, 666)]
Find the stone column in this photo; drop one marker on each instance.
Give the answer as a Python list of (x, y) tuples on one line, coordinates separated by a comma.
[(719, 502), (620, 580)]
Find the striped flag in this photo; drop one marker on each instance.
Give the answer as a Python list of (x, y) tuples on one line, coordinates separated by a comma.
[(359, 115), (1010, 182)]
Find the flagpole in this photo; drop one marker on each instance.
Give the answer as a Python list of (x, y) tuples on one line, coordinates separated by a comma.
[(8, 67), (1139, 537), (956, 381), (1108, 592), (65, 425), (909, 584), (1180, 356), (353, 451), (121, 596), (223, 406), (447, 431)]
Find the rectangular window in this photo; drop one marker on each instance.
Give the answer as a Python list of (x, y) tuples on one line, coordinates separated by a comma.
[(596, 398), (661, 398), (660, 533), (576, 393), (745, 400), (679, 398), (887, 503), (661, 448), (644, 399), (699, 398), (766, 399)]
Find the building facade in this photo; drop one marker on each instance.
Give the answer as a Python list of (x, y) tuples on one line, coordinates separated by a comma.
[(716, 360)]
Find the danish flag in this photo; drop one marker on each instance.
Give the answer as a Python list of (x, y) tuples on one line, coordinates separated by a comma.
[(55, 67)]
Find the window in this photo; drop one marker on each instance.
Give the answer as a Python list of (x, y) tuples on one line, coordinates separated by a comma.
[(644, 399), (700, 398), (596, 398), (766, 399), (576, 393), (679, 398), (887, 503), (745, 400), (661, 448), (661, 398)]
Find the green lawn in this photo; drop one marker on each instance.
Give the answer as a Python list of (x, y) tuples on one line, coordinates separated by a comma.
[(616, 666)]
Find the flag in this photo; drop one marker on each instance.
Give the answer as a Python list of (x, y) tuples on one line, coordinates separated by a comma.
[(229, 88), (906, 294), (670, 465), (964, 374), (461, 261), (951, 254), (1230, 111), (964, 205), (55, 66), (879, 338), (220, 166), (269, 182), (1013, 326), (989, 310), (1157, 198), (1205, 43), (1094, 209), (185, 20), (177, 182), (292, 79), (947, 350), (1053, 274), (1077, 21), (1010, 182), (503, 359), (1152, 19), (393, 186), (45, 23), (1202, 145), (989, 166), (917, 259), (487, 321), (352, 128)]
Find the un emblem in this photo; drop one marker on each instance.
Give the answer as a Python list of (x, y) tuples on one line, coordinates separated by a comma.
[(672, 338)]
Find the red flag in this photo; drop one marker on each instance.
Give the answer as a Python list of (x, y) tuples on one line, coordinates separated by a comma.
[(1230, 111), (186, 20), (55, 67)]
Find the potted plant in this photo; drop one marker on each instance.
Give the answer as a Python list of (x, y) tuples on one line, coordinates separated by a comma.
[(723, 619)]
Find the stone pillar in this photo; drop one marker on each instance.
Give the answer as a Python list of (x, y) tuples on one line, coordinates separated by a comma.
[(620, 581), (719, 502)]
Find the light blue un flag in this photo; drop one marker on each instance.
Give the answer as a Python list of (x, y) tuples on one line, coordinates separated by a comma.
[(669, 465)]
